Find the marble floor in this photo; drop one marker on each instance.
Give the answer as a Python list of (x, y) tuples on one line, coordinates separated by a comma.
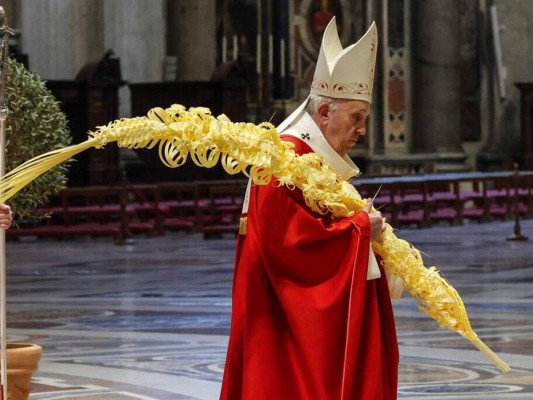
[(149, 319)]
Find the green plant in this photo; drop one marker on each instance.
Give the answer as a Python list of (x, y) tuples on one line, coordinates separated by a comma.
[(35, 125)]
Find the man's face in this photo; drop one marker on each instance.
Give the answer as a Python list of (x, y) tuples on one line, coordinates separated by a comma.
[(343, 124)]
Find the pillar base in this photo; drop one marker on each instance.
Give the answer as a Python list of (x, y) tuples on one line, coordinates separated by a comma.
[(493, 161)]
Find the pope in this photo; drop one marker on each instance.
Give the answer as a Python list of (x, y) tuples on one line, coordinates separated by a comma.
[(312, 316)]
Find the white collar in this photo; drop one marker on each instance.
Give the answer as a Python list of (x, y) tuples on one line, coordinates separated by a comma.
[(308, 131)]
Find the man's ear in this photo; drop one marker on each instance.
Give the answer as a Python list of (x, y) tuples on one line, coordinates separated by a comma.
[(322, 114)]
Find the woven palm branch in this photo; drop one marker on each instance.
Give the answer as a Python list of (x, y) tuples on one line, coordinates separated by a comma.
[(259, 153)]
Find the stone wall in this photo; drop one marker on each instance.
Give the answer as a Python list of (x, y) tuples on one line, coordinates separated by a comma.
[(61, 36)]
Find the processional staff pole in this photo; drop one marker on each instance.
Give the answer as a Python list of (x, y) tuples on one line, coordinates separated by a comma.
[(4, 111)]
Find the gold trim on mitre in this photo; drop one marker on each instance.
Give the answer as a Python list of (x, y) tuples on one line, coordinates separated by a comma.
[(346, 73)]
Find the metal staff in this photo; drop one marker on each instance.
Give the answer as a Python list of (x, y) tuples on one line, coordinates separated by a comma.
[(4, 112)]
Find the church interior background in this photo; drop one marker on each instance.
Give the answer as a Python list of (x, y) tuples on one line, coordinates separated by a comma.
[(146, 315), (448, 92)]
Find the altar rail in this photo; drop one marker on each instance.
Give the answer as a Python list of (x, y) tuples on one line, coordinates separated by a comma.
[(213, 207), (453, 197), (125, 210)]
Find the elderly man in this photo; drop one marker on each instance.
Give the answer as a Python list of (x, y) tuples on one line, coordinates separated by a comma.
[(312, 316)]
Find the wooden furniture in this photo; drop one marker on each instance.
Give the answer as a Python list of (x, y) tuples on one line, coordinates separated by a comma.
[(225, 208), (89, 101), (145, 96), (453, 197), (93, 210), (216, 95), (213, 207), (182, 205)]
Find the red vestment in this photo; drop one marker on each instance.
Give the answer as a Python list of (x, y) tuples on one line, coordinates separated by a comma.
[(306, 322)]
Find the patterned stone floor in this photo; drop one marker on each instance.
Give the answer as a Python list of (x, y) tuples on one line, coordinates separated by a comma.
[(149, 320)]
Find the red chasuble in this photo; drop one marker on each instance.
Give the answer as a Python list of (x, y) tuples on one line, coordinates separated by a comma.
[(306, 323)]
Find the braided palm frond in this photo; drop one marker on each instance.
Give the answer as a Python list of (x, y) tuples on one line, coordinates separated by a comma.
[(259, 153)]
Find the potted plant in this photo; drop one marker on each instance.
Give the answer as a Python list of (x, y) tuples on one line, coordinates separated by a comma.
[(22, 361), (35, 125)]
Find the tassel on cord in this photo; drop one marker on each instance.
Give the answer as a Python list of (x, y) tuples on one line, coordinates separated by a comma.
[(243, 226), (258, 152)]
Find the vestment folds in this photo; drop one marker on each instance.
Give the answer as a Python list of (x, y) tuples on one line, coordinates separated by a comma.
[(306, 322)]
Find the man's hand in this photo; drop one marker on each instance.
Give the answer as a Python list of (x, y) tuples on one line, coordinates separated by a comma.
[(377, 222), (6, 216)]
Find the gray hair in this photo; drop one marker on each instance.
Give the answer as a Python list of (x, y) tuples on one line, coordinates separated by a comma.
[(315, 100)]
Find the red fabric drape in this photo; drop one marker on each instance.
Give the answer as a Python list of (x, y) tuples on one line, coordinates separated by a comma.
[(306, 324)]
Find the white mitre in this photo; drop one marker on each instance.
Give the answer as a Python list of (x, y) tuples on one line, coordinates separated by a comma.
[(342, 73)]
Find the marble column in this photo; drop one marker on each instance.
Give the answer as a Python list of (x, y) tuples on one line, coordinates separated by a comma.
[(135, 31), (395, 44), (501, 111), (191, 37), (436, 82), (61, 36)]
